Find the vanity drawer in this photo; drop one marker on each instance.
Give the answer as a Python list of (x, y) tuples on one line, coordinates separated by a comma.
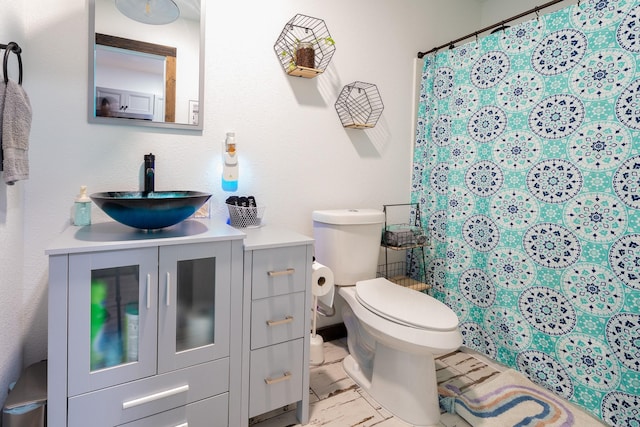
[(277, 319), (139, 399), (275, 377), (211, 412), (278, 271)]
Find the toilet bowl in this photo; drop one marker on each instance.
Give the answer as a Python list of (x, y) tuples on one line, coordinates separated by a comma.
[(393, 333), (391, 352)]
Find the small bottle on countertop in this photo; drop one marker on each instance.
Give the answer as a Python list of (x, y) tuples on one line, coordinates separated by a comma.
[(82, 208)]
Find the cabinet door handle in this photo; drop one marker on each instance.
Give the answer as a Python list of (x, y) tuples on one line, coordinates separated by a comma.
[(168, 289), (148, 291), (287, 319), (286, 272), (153, 397), (183, 425), (286, 376)]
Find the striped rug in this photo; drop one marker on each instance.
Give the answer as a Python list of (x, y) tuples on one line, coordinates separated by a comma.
[(511, 399)]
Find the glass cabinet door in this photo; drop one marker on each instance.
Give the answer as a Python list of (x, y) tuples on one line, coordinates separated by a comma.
[(112, 318), (194, 290)]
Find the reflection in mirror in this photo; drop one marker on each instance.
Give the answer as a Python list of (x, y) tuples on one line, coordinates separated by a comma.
[(146, 74)]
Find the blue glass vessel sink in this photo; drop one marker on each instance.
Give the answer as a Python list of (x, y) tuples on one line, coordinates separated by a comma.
[(152, 210)]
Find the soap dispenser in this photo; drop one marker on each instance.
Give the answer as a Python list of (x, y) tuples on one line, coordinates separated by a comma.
[(82, 208), (230, 167)]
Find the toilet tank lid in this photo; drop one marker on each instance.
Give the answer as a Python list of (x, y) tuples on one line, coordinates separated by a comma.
[(349, 216)]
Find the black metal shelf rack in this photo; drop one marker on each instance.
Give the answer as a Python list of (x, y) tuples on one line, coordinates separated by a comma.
[(359, 105), (409, 237), (304, 47)]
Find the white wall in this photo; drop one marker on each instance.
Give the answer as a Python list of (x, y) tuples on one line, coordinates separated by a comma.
[(294, 154), (493, 11), (11, 232), (152, 81)]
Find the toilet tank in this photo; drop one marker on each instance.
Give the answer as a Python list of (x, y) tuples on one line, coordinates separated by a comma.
[(348, 242)]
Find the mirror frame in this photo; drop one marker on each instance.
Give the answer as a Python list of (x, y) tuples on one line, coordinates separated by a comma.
[(91, 93)]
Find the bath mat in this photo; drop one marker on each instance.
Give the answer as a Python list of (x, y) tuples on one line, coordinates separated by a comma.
[(511, 399)]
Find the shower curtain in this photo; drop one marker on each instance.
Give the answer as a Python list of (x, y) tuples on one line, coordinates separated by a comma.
[(527, 172)]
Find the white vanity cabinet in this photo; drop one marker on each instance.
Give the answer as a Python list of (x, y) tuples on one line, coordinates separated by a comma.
[(125, 103), (142, 330), (276, 331)]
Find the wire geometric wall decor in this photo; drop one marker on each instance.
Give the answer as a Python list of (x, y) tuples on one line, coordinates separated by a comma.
[(305, 47), (359, 105)]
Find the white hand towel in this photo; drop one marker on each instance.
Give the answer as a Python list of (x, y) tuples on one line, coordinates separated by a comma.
[(16, 125)]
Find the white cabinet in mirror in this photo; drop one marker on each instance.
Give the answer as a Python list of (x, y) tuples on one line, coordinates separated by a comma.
[(127, 104), (146, 74)]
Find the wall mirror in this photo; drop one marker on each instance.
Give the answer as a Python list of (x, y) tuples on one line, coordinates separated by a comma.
[(146, 73)]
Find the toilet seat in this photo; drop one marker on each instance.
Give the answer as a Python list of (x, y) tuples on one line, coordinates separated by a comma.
[(405, 306)]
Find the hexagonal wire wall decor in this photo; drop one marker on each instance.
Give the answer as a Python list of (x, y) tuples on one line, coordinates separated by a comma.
[(359, 105), (305, 46)]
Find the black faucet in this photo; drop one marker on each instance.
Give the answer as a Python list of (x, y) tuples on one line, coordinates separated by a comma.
[(149, 172)]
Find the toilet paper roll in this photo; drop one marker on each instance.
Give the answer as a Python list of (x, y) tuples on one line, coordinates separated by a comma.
[(322, 283)]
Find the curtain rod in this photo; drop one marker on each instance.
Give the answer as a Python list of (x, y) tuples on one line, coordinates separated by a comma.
[(491, 27)]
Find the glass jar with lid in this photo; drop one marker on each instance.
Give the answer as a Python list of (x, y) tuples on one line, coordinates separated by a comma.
[(305, 55)]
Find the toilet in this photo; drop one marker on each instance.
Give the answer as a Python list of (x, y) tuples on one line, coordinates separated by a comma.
[(393, 333)]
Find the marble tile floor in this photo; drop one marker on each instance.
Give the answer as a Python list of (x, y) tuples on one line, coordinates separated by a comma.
[(336, 401)]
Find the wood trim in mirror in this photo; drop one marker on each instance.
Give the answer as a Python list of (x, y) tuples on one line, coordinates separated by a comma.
[(168, 52), (137, 45), (170, 90)]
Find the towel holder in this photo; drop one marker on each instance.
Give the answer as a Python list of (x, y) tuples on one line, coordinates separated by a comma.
[(15, 48)]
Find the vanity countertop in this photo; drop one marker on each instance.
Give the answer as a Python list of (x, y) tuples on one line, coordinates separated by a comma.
[(268, 237), (111, 235)]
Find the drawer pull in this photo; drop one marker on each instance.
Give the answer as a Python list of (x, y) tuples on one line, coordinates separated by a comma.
[(183, 425), (286, 272), (286, 376), (156, 396), (287, 319)]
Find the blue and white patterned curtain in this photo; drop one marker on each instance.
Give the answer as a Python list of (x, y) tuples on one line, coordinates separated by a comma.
[(527, 171)]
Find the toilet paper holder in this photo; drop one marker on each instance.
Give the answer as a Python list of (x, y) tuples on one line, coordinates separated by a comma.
[(322, 287)]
